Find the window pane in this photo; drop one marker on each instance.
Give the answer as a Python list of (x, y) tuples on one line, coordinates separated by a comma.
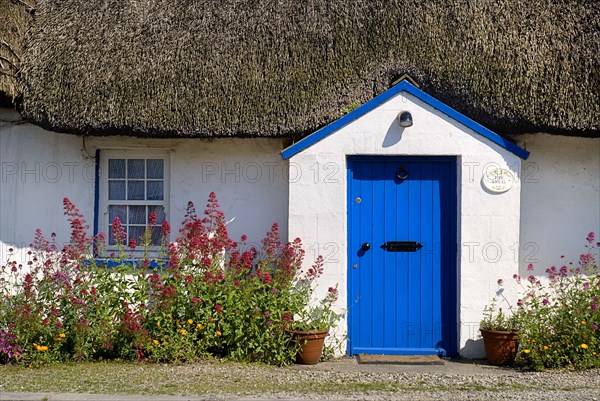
[(116, 190), (137, 215), (155, 190), (155, 168), (135, 168), (160, 213), (116, 168), (136, 232), (156, 236), (119, 211), (135, 190)]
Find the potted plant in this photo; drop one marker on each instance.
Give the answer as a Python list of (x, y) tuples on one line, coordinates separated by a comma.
[(500, 334), (311, 324)]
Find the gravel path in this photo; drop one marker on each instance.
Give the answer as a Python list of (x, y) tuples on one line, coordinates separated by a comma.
[(345, 379)]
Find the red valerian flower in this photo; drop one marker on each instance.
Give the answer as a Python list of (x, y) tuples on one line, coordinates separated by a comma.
[(218, 308), (152, 218), (132, 244), (165, 228)]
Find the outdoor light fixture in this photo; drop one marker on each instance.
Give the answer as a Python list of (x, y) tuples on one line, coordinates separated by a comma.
[(405, 119)]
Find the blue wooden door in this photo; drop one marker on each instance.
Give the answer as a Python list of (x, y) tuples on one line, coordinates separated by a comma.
[(402, 255)]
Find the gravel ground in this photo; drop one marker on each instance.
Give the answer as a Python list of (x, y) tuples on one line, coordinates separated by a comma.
[(347, 380), (433, 386)]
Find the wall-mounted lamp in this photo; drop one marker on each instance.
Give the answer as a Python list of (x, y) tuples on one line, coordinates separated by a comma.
[(405, 119)]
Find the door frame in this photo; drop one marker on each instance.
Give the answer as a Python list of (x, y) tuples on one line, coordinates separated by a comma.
[(450, 309)]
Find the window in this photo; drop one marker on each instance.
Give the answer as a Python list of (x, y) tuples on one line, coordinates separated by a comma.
[(133, 184)]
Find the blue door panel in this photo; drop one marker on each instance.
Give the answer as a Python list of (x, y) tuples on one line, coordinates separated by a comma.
[(402, 302)]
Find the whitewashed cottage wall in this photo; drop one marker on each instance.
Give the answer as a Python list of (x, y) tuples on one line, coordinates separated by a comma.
[(39, 168)]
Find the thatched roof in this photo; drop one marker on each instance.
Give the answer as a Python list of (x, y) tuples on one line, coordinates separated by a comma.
[(287, 67), (15, 17)]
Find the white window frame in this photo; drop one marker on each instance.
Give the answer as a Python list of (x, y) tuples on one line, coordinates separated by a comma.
[(103, 202)]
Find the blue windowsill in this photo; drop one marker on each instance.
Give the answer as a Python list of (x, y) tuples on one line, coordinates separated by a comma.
[(127, 262)]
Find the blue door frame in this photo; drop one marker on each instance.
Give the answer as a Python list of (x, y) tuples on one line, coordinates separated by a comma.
[(402, 298)]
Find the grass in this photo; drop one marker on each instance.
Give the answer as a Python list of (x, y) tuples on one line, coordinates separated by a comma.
[(210, 377)]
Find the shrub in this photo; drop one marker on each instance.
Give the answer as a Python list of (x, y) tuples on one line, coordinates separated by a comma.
[(202, 295), (559, 319)]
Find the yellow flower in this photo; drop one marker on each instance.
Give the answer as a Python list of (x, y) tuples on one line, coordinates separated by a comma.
[(183, 332), (62, 335), (155, 342), (527, 351), (170, 316), (594, 353), (157, 324), (40, 348), (218, 333), (200, 326), (583, 322), (545, 347), (190, 321), (584, 346)]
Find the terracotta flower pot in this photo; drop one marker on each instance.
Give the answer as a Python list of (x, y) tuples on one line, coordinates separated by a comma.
[(500, 346), (311, 345)]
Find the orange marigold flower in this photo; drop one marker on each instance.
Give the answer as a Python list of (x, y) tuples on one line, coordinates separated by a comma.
[(583, 322), (155, 342), (584, 346), (218, 333), (200, 326), (545, 347), (527, 351), (62, 335), (190, 321), (183, 332)]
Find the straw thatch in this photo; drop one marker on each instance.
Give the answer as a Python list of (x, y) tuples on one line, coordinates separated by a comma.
[(285, 67), (15, 16)]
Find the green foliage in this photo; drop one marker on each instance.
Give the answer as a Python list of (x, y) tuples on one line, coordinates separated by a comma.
[(559, 320)]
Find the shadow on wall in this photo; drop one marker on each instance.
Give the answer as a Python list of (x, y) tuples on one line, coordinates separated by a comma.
[(473, 349)]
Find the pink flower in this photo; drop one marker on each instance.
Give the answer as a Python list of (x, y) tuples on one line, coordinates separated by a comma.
[(545, 301), (530, 267), (520, 302), (152, 218), (267, 314), (132, 244), (590, 237), (594, 327), (218, 308)]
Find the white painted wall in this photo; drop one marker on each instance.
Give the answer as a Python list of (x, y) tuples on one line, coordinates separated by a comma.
[(39, 168), (560, 201), (488, 230)]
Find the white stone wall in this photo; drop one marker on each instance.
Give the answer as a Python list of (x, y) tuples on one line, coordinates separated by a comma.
[(39, 168), (560, 202), (488, 227)]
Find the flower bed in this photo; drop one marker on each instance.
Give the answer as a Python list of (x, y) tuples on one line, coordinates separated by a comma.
[(207, 296)]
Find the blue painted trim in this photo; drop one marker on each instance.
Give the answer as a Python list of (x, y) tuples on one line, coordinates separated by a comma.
[(400, 351), (96, 194), (127, 262), (403, 86)]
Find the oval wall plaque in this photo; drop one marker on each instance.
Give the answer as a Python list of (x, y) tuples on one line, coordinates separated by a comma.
[(498, 180)]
